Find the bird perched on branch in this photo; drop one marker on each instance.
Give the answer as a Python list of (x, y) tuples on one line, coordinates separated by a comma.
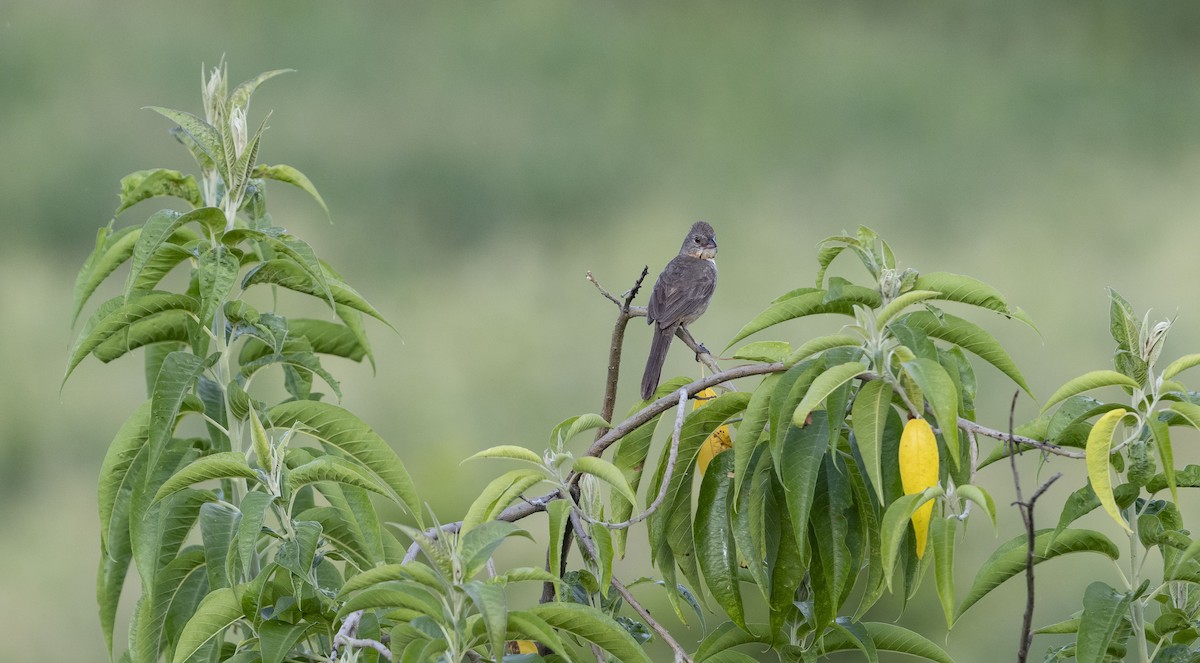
[(680, 296)]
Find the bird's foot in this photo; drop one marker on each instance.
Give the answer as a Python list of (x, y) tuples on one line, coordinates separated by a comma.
[(701, 350)]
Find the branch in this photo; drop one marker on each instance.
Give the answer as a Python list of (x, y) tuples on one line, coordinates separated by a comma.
[(1026, 509), (345, 636), (666, 480), (615, 346)]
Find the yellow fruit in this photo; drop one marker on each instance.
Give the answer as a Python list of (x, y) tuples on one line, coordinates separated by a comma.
[(717, 442), (918, 471)]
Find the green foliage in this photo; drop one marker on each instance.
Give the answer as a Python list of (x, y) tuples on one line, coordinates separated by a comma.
[(262, 539)]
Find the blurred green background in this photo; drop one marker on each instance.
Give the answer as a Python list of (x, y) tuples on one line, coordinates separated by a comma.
[(479, 158)]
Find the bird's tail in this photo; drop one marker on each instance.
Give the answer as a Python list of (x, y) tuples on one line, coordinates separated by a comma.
[(658, 354)]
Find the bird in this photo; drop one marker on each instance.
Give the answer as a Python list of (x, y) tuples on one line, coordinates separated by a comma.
[(680, 296)]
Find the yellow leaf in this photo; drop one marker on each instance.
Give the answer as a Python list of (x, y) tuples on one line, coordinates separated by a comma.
[(717, 442), (1097, 451), (918, 471)]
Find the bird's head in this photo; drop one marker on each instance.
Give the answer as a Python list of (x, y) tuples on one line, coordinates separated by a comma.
[(701, 242)]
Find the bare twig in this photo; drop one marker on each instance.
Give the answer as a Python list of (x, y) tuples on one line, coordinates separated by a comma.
[(618, 340), (346, 636), (672, 456), (1026, 509), (589, 547)]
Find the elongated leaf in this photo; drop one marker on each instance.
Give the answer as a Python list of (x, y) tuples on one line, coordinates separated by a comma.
[(1087, 382), (158, 229), (895, 525), (857, 635), (968, 336), (607, 472), (218, 525), (224, 465), (219, 610), (169, 589), (754, 420), (323, 337), (339, 429), (889, 637), (477, 546), (559, 512), (824, 385), (490, 601), (572, 426), (254, 509), (764, 351), (112, 250), (594, 626), (942, 530), (122, 315), (1162, 439), (169, 326), (959, 288), (1179, 365), (508, 451), (832, 561), (811, 303), (900, 303), (715, 546), (146, 184), (118, 474), (216, 274), (1103, 610), (980, 497), (1190, 412), (1099, 446), (821, 344), (176, 379), (290, 275), (498, 494), (414, 571), (289, 175), (868, 418), (938, 388), (1009, 558), (276, 638), (334, 469), (394, 595), (800, 463)]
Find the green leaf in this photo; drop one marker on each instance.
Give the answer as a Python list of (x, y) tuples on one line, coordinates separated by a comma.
[(868, 418), (289, 175), (572, 426), (509, 451), (821, 344), (1179, 365), (764, 351), (845, 630), (559, 513), (477, 546), (1103, 610), (411, 571), (895, 525), (223, 465), (146, 184), (1162, 439), (112, 250), (119, 315), (297, 554), (594, 626), (293, 276), (833, 562), (800, 463), (889, 637), (1008, 559), (525, 626), (169, 326), (716, 548), (810, 303), (219, 610), (1190, 412), (176, 379), (489, 600), (606, 472), (1099, 446), (900, 303), (331, 468), (1088, 382), (942, 530), (218, 524), (964, 289), (158, 229), (498, 494), (602, 537), (216, 274), (968, 336), (750, 430), (276, 638), (824, 385), (938, 388), (254, 509), (204, 135), (978, 496), (394, 595), (169, 588), (339, 429)]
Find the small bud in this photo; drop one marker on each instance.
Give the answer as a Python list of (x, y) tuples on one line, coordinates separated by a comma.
[(237, 127)]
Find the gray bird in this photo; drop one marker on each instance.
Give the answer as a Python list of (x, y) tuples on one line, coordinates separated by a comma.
[(680, 296)]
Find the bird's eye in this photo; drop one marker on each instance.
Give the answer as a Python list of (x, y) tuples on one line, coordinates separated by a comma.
[(696, 239)]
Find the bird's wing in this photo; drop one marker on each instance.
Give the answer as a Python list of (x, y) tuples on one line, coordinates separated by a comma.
[(682, 291)]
